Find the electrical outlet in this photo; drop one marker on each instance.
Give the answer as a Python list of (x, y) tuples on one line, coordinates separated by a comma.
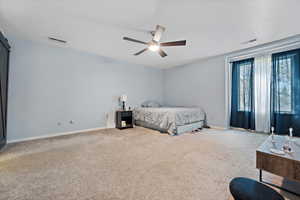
[(58, 124), (71, 122)]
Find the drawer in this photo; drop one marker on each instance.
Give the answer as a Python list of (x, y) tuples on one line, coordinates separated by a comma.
[(126, 113)]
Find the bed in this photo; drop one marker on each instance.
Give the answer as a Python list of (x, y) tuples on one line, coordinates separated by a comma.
[(172, 120)]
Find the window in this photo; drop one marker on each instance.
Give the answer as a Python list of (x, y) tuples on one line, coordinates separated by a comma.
[(244, 89), (284, 85)]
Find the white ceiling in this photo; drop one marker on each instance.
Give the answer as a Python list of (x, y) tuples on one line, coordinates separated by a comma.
[(211, 27)]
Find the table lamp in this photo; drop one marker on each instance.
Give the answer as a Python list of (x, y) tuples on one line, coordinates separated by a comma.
[(123, 99)]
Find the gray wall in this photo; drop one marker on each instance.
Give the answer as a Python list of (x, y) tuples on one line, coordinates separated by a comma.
[(199, 84), (50, 84)]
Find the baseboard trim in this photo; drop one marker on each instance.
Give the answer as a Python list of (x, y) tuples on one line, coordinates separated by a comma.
[(55, 135)]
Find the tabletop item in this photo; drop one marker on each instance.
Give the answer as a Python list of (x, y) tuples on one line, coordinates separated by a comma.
[(291, 132), (287, 149), (272, 134), (276, 151)]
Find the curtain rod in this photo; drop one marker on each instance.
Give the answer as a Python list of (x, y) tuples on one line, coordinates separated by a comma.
[(265, 50)]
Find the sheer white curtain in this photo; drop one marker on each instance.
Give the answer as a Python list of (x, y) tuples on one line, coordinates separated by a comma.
[(262, 88), (228, 71)]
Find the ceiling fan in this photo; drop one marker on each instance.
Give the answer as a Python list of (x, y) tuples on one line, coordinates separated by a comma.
[(154, 44)]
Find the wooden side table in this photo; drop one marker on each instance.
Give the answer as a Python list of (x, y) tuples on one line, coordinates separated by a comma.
[(287, 165), (124, 119)]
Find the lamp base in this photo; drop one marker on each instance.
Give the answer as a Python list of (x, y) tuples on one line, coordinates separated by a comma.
[(123, 107)]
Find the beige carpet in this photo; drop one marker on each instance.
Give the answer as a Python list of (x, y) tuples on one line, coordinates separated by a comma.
[(133, 164)]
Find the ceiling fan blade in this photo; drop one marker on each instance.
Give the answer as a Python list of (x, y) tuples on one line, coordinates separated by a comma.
[(134, 40), (158, 32), (162, 53), (175, 43), (142, 51)]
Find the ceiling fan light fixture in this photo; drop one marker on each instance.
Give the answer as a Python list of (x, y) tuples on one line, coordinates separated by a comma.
[(154, 47), (155, 44)]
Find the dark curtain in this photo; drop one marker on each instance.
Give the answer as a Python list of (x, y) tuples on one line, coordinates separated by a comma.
[(285, 92), (242, 104)]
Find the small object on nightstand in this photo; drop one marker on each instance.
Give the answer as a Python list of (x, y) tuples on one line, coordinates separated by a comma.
[(124, 119)]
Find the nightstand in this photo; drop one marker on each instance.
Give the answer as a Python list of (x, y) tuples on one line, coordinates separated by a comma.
[(124, 119)]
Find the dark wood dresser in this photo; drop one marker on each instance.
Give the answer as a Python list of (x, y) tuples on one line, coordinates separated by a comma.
[(124, 119)]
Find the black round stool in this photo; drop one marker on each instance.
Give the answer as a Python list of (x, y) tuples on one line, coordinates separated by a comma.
[(248, 189)]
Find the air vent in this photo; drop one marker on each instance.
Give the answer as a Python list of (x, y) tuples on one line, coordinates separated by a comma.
[(57, 40), (250, 41)]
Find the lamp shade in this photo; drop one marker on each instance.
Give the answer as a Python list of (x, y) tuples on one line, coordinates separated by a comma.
[(123, 98)]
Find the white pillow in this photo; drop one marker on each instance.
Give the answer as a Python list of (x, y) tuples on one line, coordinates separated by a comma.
[(151, 104)]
